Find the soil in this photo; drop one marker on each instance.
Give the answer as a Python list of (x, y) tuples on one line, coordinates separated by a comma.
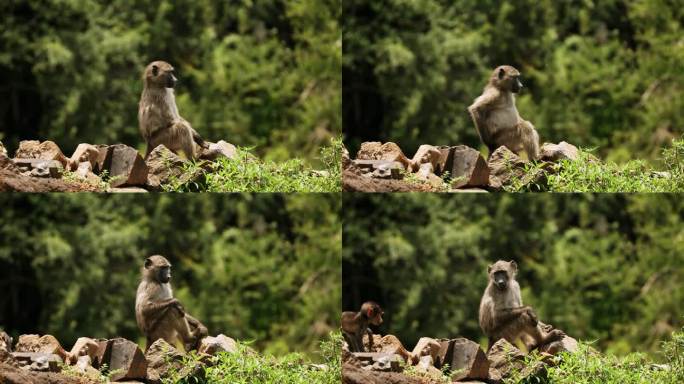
[(12, 375), (352, 182), (355, 375), (11, 180)]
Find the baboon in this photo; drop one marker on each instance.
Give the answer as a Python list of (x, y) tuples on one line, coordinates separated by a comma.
[(503, 316), (496, 118), (355, 324), (158, 314), (158, 115)]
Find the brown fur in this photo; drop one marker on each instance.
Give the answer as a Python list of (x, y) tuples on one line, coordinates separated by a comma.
[(355, 325), (496, 118), (158, 115), (158, 314), (503, 315)]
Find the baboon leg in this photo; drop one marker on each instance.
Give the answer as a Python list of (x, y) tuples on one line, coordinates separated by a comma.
[(529, 138), (197, 331), (537, 336), (182, 136)]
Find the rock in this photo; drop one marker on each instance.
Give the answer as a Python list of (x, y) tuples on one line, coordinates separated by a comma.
[(3, 150), (427, 365), (375, 150), (124, 358), (381, 169), (503, 165), (221, 343), (85, 172), (40, 167), (468, 168), (222, 149), (47, 150), (46, 344), (426, 173), (5, 342), (427, 346), (504, 358), (39, 361), (346, 160), (390, 344), (468, 361), (378, 361), (101, 156), (164, 358), (429, 154), (352, 374), (556, 152), (84, 153), (84, 365), (163, 166), (566, 344), (125, 166), (84, 346)]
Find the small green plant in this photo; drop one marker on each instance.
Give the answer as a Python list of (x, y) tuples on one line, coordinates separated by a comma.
[(245, 173), (588, 174)]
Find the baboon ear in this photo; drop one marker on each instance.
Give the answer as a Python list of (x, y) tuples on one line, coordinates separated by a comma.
[(489, 269), (148, 263), (502, 73), (514, 265), (155, 70)]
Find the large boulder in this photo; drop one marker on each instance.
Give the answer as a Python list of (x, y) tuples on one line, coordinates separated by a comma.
[(85, 153), (163, 166), (427, 346), (47, 150), (468, 168), (163, 359), (123, 358), (566, 344), (46, 344), (375, 150), (221, 343), (125, 166), (222, 149), (468, 361), (558, 152), (84, 346)]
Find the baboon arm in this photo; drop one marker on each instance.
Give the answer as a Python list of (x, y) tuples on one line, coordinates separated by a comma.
[(505, 316)]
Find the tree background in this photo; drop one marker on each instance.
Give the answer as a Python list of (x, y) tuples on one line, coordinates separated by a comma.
[(264, 74), (262, 267), (603, 74), (604, 268)]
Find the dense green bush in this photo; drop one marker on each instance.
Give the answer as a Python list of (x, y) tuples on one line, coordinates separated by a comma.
[(262, 268), (264, 74), (600, 267), (603, 74)]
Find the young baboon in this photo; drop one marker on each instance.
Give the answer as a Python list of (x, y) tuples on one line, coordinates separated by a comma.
[(496, 118), (158, 115), (158, 314), (502, 314), (355, 325)]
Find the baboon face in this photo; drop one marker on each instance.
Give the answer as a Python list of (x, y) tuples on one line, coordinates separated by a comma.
[(158, 268), (501, 272), (373, 312), (160, 74), (507, 78)]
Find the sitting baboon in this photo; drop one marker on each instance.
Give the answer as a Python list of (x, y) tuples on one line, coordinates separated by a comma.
[(496, 118), (158, 314), (503, 316)]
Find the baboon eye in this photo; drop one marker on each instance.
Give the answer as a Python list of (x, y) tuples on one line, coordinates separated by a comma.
[(155, 70)]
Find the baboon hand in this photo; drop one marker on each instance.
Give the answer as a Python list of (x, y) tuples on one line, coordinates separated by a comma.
[(556, 335)]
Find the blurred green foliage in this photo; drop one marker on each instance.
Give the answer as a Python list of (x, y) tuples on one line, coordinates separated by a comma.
[(261, 73), (254, 267), (601, 74), (603, 267)]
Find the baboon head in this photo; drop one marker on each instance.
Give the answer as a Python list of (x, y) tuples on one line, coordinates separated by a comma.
[(159, 74), (372, 311), (157, 268), (501, 273), (506, 78)]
